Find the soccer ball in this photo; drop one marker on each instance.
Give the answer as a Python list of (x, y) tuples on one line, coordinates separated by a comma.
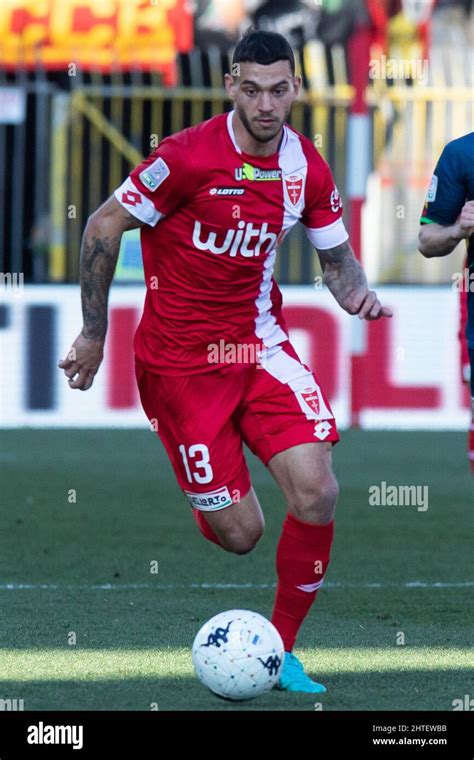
[(238, 654)]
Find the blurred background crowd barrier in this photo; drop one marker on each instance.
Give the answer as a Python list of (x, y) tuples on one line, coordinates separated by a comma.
[(89, 87)]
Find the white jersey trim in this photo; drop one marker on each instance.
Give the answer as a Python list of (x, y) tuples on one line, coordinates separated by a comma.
[(230, 129), (300, 379), (266, 327), (142, 208), (328, 237), (293, 163)]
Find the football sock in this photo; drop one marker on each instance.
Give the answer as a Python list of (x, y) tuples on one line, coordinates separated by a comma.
[(301, 561), (205, 528)]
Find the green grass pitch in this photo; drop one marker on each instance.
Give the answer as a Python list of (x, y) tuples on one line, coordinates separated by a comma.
[(133, 638)]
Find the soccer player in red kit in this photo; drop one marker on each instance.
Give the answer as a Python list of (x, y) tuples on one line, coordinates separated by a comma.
[(214, 364)]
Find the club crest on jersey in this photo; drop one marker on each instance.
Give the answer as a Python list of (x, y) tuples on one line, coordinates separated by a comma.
[(294, 187), (155, 174), (252, 173)]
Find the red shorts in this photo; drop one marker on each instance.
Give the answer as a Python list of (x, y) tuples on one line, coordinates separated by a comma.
[(203, 420)]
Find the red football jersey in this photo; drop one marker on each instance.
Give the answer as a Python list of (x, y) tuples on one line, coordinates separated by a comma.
[(214, 219)]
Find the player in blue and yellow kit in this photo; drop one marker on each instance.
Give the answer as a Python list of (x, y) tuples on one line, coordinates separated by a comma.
[(448, 218)]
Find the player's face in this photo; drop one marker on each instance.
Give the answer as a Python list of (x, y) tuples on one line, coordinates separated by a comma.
[(263, 97)]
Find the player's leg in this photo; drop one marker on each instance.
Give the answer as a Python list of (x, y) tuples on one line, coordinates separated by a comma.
[(193, 418), (237, 528), (288, 423), (471, 429), (305, 476)]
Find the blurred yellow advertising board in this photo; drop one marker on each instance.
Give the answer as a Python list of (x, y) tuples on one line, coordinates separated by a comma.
[(98, 34)]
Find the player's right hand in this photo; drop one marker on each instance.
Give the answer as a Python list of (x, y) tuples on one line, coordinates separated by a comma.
[(465, 221), (82, 362)]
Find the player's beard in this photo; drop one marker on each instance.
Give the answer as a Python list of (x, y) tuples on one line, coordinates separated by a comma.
[(269, 135)]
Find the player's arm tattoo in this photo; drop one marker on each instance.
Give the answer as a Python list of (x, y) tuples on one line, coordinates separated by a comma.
[(342, 274), (97, 266)]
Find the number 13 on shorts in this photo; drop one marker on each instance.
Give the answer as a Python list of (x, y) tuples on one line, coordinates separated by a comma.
[(196, 463)]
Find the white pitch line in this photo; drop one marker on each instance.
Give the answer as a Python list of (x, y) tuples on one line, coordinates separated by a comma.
[(171, 586)]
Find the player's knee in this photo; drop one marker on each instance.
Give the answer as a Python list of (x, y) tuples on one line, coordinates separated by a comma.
[(315, 499), (242, 540)]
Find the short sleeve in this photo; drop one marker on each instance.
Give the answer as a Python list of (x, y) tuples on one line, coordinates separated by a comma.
[(447, 192), (322, 216), (157, 186)]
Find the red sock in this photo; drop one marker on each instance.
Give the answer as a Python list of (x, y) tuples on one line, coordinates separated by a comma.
[(470, 446), (204, 527), (301, 561)]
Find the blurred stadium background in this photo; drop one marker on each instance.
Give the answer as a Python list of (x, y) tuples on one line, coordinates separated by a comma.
[(89, 87)]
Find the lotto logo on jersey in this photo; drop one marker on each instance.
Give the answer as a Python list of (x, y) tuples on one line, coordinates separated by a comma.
[(226, 191), (246, 241), (131, 198)]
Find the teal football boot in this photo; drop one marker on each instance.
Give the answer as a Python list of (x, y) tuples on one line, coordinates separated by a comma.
[(293, 677)]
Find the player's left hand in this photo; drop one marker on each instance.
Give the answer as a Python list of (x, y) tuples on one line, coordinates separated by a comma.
[(465, 221), (366, 305), (82, 362)]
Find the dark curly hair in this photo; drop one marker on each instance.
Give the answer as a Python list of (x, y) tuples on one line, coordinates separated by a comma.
[(257, 46)]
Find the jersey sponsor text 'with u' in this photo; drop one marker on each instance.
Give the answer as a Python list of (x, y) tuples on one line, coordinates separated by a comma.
[(237, 241)]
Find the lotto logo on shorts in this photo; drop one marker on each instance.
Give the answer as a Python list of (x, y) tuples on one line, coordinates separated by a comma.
[(211, 501), (322, 429)]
